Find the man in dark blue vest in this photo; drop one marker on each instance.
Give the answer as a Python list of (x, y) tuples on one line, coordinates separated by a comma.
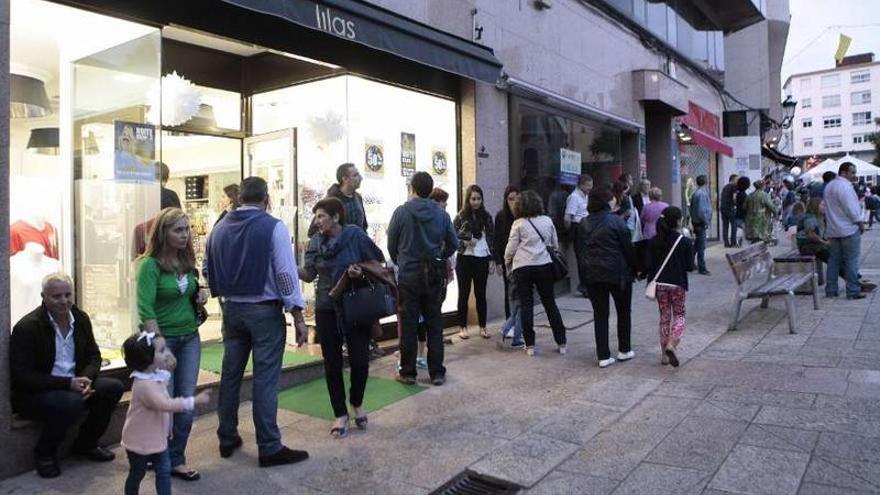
[(249, 262)]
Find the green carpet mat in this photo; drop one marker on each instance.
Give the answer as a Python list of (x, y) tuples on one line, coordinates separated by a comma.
[(311, 398), (212, 358)]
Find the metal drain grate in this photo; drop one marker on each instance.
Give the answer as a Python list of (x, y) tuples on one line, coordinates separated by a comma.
[(471, 483)]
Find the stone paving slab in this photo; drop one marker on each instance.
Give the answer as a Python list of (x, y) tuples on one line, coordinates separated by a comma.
[(615, 452), (663, 480), (563, 483), (780, 438), (758, 470), (699, 443), (526, 459)]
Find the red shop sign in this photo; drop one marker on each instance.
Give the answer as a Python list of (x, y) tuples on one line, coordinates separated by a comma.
[(702, 120)]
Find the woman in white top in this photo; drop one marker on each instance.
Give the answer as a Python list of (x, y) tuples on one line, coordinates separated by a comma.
[(476, 232), (528, 259)]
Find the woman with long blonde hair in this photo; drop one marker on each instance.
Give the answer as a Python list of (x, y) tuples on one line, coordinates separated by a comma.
[(167, 296)]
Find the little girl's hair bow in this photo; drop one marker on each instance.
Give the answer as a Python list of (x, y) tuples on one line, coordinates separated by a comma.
[(148, 336)]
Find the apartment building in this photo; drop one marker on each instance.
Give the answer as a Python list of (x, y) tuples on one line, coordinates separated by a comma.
[(836, 109)]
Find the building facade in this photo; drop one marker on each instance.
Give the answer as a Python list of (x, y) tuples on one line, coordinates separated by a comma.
[(836, 109), (530, 93)]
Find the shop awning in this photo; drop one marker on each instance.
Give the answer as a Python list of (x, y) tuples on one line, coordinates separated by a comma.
[(778, 157), (711, 142), (381, 29)]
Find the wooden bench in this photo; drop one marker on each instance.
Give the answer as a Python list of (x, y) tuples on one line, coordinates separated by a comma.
[(750, 263)]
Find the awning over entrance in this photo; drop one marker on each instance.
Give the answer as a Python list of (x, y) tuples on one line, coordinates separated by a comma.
[(778, 157), (381, 29), (711, 142)]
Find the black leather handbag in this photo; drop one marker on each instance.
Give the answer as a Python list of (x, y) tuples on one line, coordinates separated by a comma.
[(368, 302), (560, 266)]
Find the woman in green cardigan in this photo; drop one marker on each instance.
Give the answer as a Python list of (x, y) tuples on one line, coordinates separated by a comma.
[(166, 286)]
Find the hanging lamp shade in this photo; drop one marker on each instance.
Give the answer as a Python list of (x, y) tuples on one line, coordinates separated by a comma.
[(204, 118), (27, 97), (44, 140)]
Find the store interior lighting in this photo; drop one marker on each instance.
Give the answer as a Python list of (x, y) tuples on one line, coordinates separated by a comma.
[(44, 140), (27, 97)]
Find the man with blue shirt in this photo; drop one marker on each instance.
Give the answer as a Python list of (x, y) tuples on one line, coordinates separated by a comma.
[(843, 229), (250, 263), (701, 219)]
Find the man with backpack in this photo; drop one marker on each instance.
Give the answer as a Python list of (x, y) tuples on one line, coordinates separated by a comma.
[(420, 240)]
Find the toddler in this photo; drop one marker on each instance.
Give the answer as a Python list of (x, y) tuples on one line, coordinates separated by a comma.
[(513, 326), (148, 422)]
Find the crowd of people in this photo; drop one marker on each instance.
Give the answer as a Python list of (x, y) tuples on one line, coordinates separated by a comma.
[(619, 236)]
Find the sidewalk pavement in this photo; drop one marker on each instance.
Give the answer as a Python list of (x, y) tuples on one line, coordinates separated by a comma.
[(756, 411)]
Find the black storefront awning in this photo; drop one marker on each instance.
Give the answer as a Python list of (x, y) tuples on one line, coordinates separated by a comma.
[(778, 157), (381, 29)]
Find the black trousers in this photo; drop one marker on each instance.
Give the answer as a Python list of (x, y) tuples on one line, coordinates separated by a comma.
[(60, 409), (418, 299), (575, 244), (470, 269), (728, 230), (358, 340), (622, 296), (529, 278)]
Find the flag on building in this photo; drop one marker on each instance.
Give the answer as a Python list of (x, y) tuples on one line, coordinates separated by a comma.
[(842, 47)]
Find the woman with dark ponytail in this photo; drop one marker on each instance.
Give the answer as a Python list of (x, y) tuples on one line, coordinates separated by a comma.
[(671, 279)]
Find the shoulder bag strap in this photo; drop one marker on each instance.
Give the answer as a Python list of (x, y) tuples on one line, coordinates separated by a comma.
[(668, 255), (539, 234)]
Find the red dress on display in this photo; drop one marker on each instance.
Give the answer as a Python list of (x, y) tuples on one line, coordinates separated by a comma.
[(21, 232)]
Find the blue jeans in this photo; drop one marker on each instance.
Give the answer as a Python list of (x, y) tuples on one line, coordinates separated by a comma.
[(137, 469), (187, 349), (514, 322), (844, 255), (260, 328)]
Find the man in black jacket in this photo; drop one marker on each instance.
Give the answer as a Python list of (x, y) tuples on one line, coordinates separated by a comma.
[(727, 207), (54, 361), (420, 240)]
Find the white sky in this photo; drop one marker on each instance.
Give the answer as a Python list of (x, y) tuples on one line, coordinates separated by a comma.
[(816, 26)]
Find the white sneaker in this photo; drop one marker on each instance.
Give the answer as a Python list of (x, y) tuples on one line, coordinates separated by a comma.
[(607, 362), (561, 349), (530, 351), (626, 356)]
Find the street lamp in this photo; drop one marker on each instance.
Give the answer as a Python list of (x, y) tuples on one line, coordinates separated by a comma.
[(788, 106)]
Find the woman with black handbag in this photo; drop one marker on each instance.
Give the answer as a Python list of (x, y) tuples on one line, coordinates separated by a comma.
[(528, 256), (334, 252)]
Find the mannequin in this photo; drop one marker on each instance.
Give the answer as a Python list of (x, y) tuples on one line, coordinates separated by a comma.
[(33, 228), (27, 269)]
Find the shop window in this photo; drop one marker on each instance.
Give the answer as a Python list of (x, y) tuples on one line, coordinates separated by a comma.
[(81, 156), (542, 137), (352, 119)]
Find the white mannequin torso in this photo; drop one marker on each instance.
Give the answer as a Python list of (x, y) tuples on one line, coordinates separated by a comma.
[(27, 269)]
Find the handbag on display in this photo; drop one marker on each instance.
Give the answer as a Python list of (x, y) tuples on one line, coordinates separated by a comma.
[(560, 266), (365, 303), (651, 289)]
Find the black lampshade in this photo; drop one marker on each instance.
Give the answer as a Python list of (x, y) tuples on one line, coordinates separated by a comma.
[(27, 97), (44, 140)]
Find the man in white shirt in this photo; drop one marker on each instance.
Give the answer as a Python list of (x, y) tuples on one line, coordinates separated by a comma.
[(575, 211), (843, 229)]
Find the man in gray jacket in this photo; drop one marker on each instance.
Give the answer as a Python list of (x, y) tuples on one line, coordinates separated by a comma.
[(701, 219), (843, 220), (420, 240)]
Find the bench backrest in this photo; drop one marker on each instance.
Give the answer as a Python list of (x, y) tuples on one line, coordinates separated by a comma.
[(751, 261)]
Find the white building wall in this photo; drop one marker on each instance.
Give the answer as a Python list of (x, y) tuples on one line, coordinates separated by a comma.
[(816, 113)]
